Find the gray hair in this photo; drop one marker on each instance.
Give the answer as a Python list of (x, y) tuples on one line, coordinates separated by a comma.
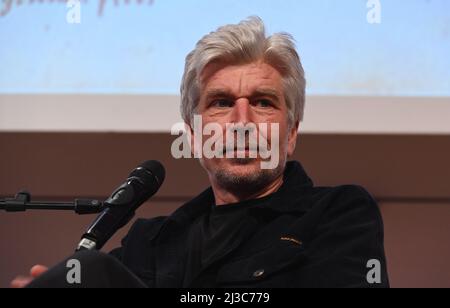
[(244, 43)]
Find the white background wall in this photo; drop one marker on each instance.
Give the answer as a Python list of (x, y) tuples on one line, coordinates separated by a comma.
[(151, 113)]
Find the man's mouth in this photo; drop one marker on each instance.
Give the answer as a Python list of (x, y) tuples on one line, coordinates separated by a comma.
[(245, 152)]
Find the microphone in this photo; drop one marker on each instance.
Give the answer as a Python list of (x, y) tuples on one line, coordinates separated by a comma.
[(141, 184)]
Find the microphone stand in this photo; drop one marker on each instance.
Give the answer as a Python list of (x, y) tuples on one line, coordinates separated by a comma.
[(22, 202)]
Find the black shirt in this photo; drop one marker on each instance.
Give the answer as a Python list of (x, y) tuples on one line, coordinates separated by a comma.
[(214, 234)]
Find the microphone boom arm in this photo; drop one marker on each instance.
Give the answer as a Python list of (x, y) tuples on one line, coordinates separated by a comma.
[(22, 202)]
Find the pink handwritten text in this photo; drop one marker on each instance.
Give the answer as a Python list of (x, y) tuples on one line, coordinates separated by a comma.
[(7, 5)]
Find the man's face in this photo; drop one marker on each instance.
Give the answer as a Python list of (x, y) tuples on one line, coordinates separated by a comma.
[(243, 94)]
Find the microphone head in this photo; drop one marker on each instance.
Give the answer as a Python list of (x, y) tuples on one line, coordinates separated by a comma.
[(150, 171)]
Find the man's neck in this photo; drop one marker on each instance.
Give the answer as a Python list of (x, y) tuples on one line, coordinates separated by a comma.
[(224, 197)]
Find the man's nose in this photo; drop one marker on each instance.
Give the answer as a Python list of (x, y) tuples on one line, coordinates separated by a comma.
[(242, 112)]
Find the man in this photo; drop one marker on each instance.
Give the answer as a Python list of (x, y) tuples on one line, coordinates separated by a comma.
[(255, 227)]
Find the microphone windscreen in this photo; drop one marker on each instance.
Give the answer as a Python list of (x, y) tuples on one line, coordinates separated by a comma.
[(151, 168)]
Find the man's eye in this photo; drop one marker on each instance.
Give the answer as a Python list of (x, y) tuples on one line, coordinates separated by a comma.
[(263, 103), (222, 103)]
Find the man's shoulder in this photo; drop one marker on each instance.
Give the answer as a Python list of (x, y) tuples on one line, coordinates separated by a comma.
[(149, 223), (343, 205), (349, 190), (346, 206), (342, 196), (148, 228)]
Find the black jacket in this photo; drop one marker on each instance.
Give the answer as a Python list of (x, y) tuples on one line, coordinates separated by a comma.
[(311, 237)]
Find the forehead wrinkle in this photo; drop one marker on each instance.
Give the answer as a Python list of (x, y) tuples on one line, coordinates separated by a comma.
[(241, 78)]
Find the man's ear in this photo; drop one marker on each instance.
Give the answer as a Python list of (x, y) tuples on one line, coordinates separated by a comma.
[(292, 139)]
